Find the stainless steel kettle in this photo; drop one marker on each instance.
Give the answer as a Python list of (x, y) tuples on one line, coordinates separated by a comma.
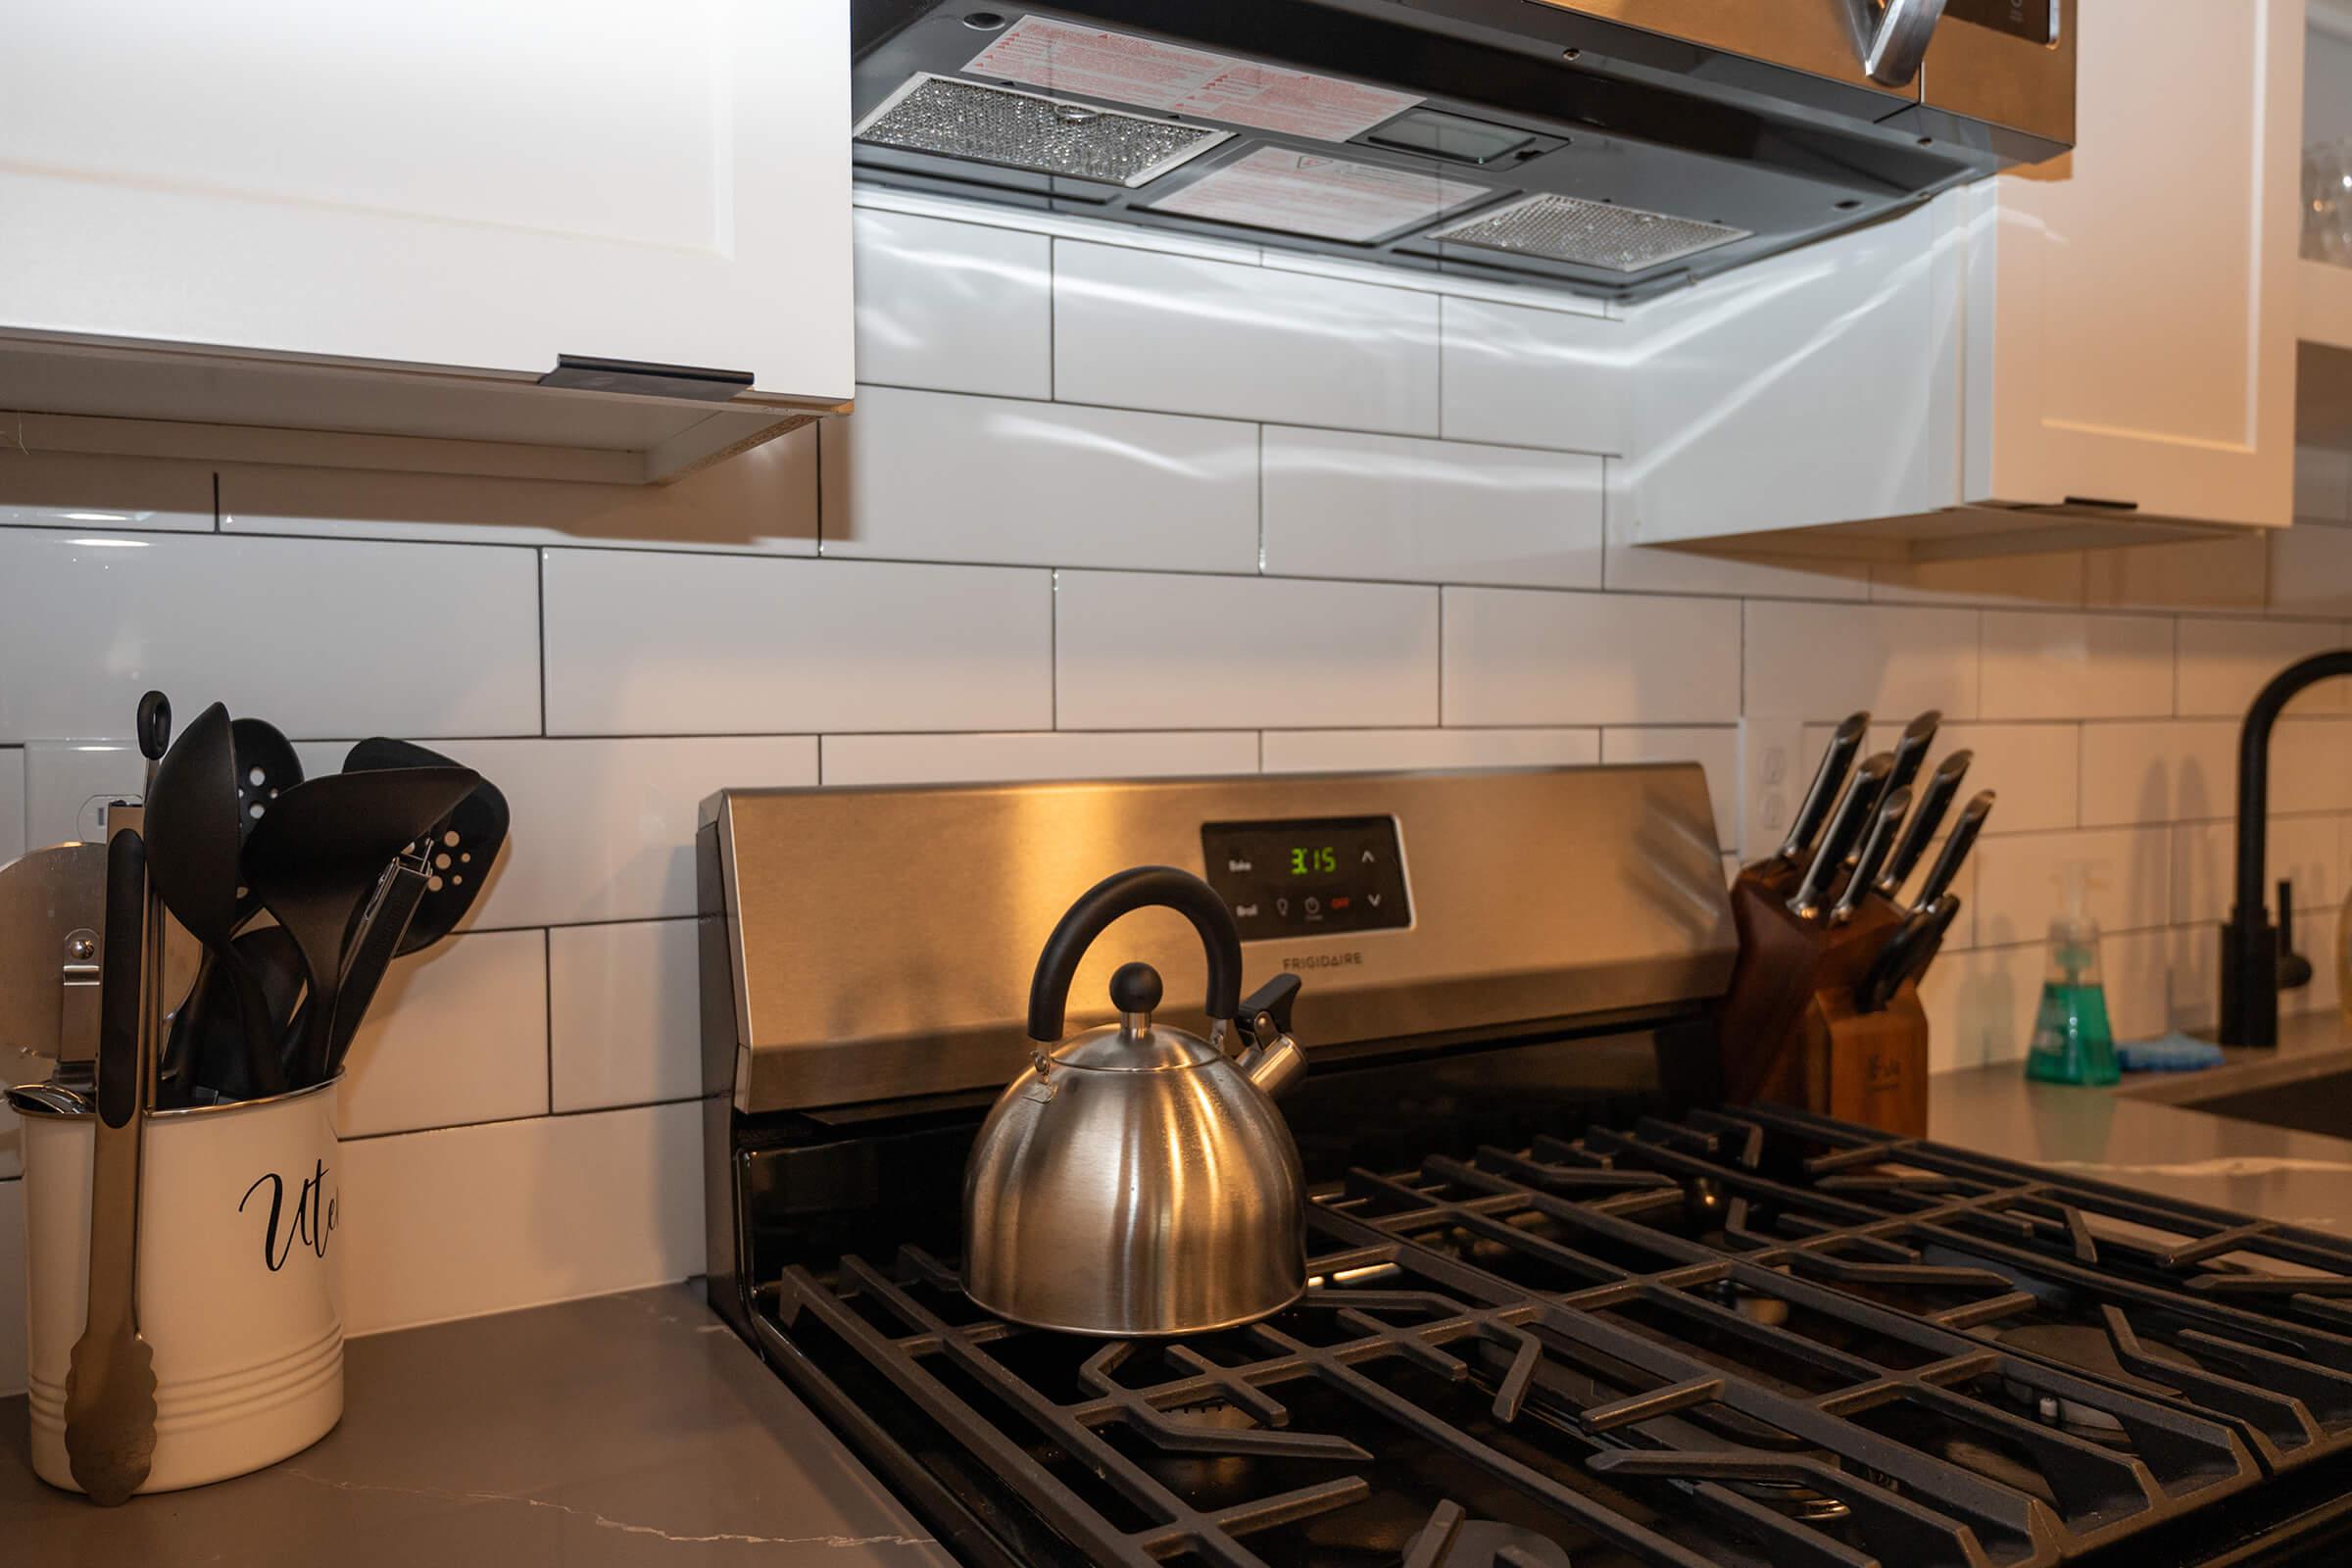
[(1135, 1180)]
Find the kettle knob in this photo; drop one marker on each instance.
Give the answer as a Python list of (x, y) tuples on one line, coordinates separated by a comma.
[(1135, 989)]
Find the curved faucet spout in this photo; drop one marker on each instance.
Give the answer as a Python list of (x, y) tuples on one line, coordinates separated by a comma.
[(2250, 943)]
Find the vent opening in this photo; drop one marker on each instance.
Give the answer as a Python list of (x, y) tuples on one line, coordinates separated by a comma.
[(1027, 130), (1583, 234)]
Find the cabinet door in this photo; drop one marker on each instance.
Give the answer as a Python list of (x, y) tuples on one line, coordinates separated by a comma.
[(478, 184), (2132, 305)]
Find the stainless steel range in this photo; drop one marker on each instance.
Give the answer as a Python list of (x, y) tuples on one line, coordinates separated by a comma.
[(1561, 1308)]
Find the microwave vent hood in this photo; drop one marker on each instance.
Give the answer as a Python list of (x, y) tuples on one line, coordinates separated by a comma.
[(1535, 141)]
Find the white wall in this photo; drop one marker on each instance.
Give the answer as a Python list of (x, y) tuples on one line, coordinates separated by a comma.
[(1103, 509)]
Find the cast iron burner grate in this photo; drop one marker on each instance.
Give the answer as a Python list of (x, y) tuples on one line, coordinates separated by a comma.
[(1741, 1338)]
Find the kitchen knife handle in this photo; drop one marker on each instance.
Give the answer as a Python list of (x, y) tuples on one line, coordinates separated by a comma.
[(1836, 758), (1911, 748), (1955, 849), (1908, 953), (1943, 785), (1846, 826), (1883, 822)]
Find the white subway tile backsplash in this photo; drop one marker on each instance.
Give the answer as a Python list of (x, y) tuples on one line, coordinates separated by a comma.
[(69, 783), (70, 490), (603, 829), (468, 1220), (644, 644), (297, 631), (2228, 574), (2021, 881), (958, 306), (2224, 664), (2050, 665), (1040, 754), (1339, 504), (931, 477), (1141, 330), (1717, 750), (1163, 652), (762, 501), (624, 1014), (2159, 771), (1825, 660), (1536, 378), (2031, 767), (1376, 751), (2305, 851), (2311, 571), (456, 1034), (1530, 656)]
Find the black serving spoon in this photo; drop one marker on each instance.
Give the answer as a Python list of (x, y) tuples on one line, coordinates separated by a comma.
[(192, 842), (267, 767), (317, 856)]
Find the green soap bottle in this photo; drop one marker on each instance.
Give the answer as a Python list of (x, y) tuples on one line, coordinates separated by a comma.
[(2072, 1041)]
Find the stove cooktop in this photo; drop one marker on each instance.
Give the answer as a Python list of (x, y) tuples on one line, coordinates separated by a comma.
[(1737, 1339)]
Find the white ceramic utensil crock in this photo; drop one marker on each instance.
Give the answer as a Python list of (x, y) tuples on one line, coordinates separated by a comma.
[(239, 1280)]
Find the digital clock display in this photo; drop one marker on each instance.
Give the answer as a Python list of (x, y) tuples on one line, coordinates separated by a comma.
[(1320, 877), (1321, 859)]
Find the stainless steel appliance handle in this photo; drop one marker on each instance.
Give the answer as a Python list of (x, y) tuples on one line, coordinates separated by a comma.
[(1892, 37)]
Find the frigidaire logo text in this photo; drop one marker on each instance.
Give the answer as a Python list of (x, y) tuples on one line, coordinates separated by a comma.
[(1325, 960)]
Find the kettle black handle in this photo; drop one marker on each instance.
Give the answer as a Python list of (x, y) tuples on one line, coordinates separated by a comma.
[(1121, 894)]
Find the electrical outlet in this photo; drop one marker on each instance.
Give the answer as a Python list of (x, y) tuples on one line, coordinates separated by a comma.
[(1772, 780)]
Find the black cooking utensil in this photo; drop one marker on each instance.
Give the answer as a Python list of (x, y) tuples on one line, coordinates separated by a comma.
[(154, 731), (267, 767), (1908, 952), (317, 857), (465, 845), (1883, 822), (192, 842), (368, 954), (219, 1067), (1946, 868)]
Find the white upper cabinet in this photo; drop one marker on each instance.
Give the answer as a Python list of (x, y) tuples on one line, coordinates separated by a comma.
[(2132, 305), (2097, 350), (395, 219)]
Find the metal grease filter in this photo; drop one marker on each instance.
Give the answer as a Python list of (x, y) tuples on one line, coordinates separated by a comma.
[(1564, 228), (1025, 131)]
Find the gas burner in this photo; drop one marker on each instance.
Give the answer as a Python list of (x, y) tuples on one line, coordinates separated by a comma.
[(1452, 1539), (2087, 1347)]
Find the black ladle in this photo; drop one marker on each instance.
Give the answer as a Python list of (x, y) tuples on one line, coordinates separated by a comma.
[(316, 856), (192, 855)]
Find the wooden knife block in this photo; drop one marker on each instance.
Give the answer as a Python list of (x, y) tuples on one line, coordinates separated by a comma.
[(1790, 1031), (1869, 1067)]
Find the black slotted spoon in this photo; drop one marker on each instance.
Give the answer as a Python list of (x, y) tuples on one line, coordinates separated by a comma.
[(314, 859), (465, 846)]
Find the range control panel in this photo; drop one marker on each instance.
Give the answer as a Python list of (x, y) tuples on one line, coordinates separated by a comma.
[(1308, 876)]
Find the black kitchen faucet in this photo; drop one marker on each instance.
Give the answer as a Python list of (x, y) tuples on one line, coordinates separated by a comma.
[(2258, 959)]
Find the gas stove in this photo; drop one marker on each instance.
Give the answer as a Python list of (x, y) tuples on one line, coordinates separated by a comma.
[(1564, 1311)]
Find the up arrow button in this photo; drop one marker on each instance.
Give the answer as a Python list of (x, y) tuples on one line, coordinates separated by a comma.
[(1367, 857)]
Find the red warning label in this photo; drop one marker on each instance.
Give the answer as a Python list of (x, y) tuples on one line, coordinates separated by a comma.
[(1059, 57), (1308, 193)]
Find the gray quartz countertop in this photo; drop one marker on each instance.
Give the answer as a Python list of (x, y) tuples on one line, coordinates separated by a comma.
[(609, 1433), (2139, 1134)]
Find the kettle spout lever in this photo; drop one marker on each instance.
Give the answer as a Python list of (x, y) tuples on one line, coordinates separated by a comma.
[(1273, 1060)]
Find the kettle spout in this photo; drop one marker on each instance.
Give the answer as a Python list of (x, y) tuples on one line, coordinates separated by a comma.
[(1274, 1066)]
